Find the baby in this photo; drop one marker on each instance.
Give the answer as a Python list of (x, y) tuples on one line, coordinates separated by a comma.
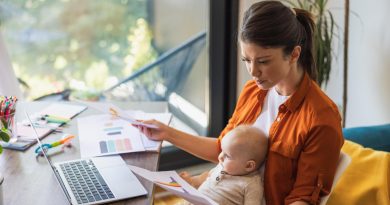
[(236, 179)]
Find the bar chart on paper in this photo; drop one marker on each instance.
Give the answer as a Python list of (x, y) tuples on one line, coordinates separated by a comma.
[(118, 145), (104, 135), (114, 145)]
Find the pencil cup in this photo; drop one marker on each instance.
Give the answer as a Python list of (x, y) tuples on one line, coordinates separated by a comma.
[(8, 127)]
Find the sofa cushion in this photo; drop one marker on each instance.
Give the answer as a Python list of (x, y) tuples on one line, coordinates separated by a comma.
[(366, 180), (375, 137)]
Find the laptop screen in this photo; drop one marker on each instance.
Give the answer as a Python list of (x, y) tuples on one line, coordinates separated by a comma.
[(38, 140), (47, 157)]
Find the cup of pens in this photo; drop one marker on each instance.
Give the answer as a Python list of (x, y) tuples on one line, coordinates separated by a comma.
[(7, 118)]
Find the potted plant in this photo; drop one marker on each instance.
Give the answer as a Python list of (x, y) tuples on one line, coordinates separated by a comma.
[(5, 133), (323, 36)]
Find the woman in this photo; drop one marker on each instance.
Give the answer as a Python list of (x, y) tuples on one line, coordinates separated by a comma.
[(283, 100)]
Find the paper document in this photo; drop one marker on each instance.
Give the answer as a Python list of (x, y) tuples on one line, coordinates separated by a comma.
[(60, 110), (165, 118), (26, 133), (172, 182), (63, 110), (111, 109), (104, 134)]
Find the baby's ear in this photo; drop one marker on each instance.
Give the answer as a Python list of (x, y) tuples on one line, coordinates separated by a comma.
[(250, 165)]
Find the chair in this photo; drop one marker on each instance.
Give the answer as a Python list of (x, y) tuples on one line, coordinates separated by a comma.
[(344, 161), (156, 81)]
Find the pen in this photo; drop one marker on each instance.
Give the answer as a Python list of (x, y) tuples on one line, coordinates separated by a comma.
[(55, 119)]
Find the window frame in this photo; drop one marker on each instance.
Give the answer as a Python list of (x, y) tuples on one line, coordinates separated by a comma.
[(223, 24)]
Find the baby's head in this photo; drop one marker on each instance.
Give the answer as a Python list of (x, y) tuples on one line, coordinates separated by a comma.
[(243, 150)]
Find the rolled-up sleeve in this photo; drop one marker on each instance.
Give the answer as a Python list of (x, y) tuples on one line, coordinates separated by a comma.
[(318, 161)]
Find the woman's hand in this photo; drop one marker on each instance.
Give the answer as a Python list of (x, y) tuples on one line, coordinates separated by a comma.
[(161, 132)]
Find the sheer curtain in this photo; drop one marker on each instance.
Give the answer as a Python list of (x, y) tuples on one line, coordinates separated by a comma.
[(8, 82)]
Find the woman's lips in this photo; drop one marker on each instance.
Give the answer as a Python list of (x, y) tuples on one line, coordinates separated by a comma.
[(260, 81)]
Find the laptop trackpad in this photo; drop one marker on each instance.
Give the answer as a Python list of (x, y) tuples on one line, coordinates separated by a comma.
[(122, 182)]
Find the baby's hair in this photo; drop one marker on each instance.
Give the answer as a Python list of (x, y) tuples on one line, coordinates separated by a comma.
[(252, 141)]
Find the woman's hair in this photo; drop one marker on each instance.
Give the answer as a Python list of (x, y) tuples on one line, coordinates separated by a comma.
[(272, 24)]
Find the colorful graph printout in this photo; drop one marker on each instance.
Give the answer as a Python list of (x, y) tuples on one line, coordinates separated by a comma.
[(118, 145), (113, 130), (104, 135)]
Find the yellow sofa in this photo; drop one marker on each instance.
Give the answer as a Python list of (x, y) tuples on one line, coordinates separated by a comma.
[(366, 181)]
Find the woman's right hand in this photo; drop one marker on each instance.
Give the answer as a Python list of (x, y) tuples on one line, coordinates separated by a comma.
[(161, 132)]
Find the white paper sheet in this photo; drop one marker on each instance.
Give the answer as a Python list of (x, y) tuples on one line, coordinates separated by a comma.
[(63, 110), (165, 118), (106, 107), (172, 182), (104, 134)]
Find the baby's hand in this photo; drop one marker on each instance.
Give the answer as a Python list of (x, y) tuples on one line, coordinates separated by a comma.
[(186, 176), (194, 181)]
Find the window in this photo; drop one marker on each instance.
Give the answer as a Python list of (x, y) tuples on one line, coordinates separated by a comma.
[(91, 46), (82, 45)]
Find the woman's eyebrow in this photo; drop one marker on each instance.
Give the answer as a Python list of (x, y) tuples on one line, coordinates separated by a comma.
[(266, 56), (257, 58)]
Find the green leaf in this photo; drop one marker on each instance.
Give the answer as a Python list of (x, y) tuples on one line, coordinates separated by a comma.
[(1, 149), (5, 135), (3, 123)]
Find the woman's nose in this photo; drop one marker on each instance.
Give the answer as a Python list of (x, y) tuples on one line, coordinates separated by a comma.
[(253, 71)]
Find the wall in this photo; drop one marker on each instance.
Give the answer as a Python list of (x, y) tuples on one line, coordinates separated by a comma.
[(369, 64)]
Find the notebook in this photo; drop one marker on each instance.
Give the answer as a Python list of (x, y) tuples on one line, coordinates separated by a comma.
[(94, 180), (26, 138)]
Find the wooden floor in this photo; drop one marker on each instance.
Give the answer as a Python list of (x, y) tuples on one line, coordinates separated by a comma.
[(163, 197)]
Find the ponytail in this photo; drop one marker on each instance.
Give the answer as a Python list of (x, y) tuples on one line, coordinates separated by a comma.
[(306, 59)]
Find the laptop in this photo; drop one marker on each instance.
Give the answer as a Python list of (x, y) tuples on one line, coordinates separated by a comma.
[(94, 180)]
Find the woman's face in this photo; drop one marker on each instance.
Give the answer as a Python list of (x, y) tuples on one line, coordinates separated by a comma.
[(267, 66)]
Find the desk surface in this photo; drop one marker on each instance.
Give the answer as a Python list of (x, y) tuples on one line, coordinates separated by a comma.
[(30, 180)]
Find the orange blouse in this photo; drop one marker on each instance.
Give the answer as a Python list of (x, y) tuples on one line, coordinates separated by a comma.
[(304, 142)]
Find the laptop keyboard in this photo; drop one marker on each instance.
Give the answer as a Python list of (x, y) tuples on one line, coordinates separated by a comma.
[(86, 182)]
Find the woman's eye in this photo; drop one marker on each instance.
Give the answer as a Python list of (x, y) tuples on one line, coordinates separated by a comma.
[(262, 62), (244, 60)]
